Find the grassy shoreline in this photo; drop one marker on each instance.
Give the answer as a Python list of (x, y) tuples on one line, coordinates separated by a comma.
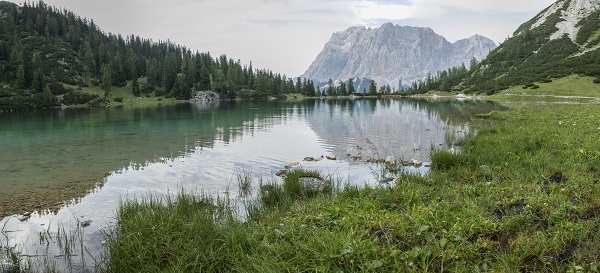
[(523, 195)]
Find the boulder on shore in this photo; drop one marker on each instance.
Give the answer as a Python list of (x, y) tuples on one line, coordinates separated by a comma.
[(203, 96)]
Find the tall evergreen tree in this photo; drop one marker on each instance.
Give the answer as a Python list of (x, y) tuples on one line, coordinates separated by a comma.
[(20, 81), (342, 89), (351, 89), (372, 88), (330, 88), (38, 80), (135, 87), (107, 80)]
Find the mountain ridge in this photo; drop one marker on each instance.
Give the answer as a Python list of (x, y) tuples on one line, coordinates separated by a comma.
[(392, 53)]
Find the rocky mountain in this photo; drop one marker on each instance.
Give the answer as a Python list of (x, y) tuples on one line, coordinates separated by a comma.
[(392, 53), (561, 40)]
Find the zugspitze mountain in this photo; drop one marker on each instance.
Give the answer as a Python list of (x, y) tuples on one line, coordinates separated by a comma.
[(393, 53)]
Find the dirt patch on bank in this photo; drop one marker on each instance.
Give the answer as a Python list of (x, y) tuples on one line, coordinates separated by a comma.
[(47, 199)]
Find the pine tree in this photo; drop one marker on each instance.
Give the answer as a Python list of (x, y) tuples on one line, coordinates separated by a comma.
[(298, 87), (176, 89), (204, 81), (38, 80), (342, 89), (170, 71), (20, 81), (351, 89), (372, 88), (330, 88), (106, 79), (49, 99), (135, 87)]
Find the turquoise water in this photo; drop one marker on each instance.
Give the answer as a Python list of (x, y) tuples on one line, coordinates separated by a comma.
[(71, 165)]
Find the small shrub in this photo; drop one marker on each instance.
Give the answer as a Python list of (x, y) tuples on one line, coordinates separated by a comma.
[(597, 80), (58, 89), (147, 89), (119, 99), (535, 86)]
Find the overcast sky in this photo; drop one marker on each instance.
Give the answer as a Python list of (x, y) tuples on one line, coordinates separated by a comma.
[(287, 35)]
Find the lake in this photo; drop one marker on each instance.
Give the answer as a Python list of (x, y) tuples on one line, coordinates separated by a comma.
[(59, 168)]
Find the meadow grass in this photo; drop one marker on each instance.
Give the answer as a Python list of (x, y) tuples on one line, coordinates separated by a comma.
[(573, 85), (128, 98), (520, 196)]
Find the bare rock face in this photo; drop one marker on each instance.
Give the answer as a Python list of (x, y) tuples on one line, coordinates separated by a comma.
[(571, 12), (392, 53)]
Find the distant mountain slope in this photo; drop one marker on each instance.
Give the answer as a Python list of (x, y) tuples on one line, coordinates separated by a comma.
[(392, 53), (561, 40)]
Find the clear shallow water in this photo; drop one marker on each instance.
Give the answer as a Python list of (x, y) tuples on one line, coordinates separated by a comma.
[(77, 164)]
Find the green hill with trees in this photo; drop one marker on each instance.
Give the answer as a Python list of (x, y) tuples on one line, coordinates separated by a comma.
[(529, 57), (49, 57)]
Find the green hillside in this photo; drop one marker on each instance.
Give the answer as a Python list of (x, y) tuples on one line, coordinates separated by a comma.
[(531, 56)]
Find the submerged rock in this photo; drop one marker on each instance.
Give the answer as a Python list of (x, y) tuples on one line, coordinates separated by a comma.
[(86, 223), (8, 267), (356, 158), (386, 180)]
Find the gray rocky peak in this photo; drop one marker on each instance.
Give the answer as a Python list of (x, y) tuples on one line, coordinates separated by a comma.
[(392, 53)]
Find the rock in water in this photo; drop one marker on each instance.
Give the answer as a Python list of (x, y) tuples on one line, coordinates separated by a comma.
[(332, 157), (8, 267), (417, 163), (86, 223)]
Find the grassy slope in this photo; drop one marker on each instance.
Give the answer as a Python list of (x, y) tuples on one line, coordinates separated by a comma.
[(573, 85), (523, 196), (128, 97)]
